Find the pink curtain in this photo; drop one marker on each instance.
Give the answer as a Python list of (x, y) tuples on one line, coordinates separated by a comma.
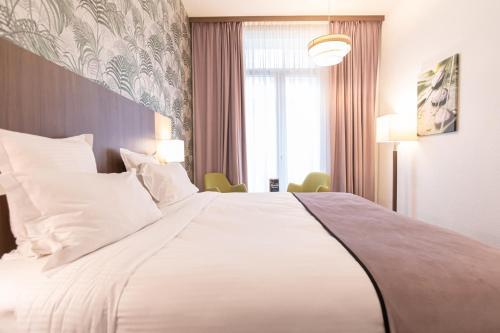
[(352, 117), (218, 101)]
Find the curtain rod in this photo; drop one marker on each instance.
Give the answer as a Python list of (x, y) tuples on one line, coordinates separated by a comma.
[(287, 18)]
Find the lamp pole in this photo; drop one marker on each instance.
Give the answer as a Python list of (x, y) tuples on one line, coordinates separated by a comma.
[(395, 177), (395, 128)]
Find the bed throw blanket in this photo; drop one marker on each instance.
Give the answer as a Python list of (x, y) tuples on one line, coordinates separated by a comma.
[(428, 279)]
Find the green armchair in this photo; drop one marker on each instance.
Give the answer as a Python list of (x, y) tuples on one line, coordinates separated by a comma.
[(218, 182), (314, 182)]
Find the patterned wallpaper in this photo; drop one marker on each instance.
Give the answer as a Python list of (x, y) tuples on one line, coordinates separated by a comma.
[(137, 48)]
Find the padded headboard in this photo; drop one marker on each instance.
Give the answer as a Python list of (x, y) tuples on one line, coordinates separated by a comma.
[(42, 98)]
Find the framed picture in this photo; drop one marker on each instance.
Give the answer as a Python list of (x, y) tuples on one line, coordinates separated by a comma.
[(438, 98)]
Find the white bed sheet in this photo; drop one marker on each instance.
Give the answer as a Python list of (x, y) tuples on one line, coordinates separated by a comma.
[(15, 272), (215, 263), (8, 323)]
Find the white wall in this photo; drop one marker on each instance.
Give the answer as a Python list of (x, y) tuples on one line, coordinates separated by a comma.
[(452, 180)]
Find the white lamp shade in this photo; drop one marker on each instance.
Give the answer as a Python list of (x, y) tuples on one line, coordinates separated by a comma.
[(396, 128), (170, 151), (327, 59), (329, 50), (163, 127)]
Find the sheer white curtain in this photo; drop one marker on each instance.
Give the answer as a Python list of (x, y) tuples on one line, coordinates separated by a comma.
[(286, 98)]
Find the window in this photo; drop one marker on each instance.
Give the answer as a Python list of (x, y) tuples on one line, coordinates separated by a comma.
[(285, 102)]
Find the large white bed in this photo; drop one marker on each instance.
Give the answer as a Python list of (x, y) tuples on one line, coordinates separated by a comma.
[(213, 263), (94, 253)]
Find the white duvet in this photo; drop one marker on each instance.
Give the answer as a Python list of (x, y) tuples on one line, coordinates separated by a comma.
[(214, 263)]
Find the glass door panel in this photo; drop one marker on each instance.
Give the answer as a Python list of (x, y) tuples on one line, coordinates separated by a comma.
[(303, 114), (261, 131)]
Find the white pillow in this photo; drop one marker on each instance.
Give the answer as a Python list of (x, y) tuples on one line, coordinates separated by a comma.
[(82, 212), (26, 153), (21, 209), (166, 183), (133, 160)]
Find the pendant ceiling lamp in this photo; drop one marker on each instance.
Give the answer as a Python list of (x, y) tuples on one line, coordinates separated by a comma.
[(329, 50)]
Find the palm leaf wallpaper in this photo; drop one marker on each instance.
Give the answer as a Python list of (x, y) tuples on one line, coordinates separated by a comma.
[(137, 48)]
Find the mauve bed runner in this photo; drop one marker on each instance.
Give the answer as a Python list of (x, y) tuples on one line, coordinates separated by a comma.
[(428, 279)]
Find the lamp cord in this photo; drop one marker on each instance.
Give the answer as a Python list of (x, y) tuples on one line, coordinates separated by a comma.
[(329, 11)]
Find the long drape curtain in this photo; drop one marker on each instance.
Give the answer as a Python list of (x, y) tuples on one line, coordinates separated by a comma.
[(218, 101), (352, 110), (285, 103)]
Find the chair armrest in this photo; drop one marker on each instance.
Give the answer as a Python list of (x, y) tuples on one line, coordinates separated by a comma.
[(294, 188), (239, 188), (322, 188), (212, 189)]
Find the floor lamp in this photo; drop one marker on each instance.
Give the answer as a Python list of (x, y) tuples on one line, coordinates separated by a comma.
[(396, 128)]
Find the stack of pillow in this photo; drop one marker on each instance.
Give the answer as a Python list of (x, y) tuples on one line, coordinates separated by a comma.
[(62, 208), (167, 183)]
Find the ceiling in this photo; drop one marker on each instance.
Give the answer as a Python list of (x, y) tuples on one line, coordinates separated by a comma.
[(286, 7)]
